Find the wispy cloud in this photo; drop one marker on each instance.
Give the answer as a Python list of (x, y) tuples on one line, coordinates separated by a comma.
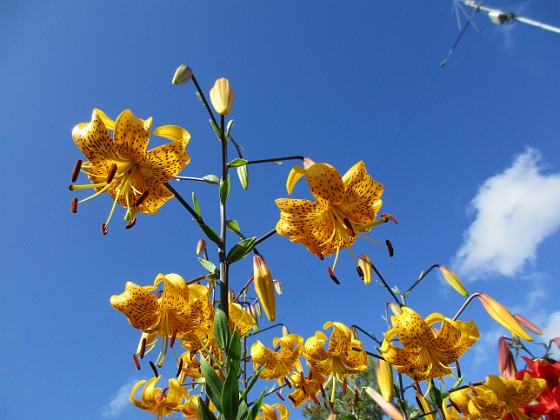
[(514, 211), (119, 401)]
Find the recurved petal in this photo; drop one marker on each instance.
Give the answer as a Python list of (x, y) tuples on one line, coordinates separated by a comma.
[(175, 295), (412, 329), (341, 337), (93, 139), (325, 183), (139, 305), (173, 132), (131, 135), (157, 196), (164, 162), (109, 123), (399, 357), (313, 348), (293, 177)]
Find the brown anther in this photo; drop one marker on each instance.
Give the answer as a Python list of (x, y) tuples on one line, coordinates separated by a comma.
[(136, 361), (390, 247), (333, 277), (143, 348), (458, 369), (331, 404), (323, 393), (386, 217), (349, 227), (142, 198), (280, 396), (173, 336), (360, 272), (315, 399), (160, 397), (344, 386), (74, 205), (356, 395), (180, 367), (111, 173), (104, 228), (287, 383), (293, 400), (76, 170), (131, 223), (316, 250), (154, 368)]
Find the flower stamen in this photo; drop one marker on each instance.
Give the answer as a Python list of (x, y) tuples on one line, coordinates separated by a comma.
[(142, 198), (136, 362), (74, 205), (76, 170), (111, 173)]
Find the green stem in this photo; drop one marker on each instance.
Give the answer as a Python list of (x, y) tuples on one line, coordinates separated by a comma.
[(224, 266), (420, 279), (385, 283), (275, 159), (205, 102)]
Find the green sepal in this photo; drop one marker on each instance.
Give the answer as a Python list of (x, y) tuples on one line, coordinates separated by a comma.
[(256, 407), (222, 332), (243, 175), (208, 265), (204, 412), (232, 225), (241, 249), (213, 382), (195, 204), (237, 162), (224, 190), (211, 179), (210, 233)]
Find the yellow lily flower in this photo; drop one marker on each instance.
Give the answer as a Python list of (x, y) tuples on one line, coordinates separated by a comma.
[(306, 388), (345, 207), (181, 310), (270, 413), (156, 400), (495, 398), (120, 165), (345, 355), (426, 351), (278, 365)]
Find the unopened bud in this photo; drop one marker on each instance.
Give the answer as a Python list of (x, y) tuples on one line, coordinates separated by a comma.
[(182, 75), (200, 246), (451, 278), (364, 264), (243, 175), (221, 96), (503, 317), (264, 287), (278, 287), (385, 379), (258, 309), (387, 407)]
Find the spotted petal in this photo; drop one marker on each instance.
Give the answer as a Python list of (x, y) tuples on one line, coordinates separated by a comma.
[(139, 305), (325, 183), (95, 142), (131, 135)]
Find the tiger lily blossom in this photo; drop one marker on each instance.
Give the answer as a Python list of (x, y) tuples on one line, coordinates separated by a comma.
[(345, 206), (495, 398), (158, 401), (121, 166), (278, 365), (271, 412), (427, 351), (344, 356)]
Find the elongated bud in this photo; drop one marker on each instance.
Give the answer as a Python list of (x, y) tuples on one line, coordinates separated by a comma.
[(503, 317), (221, 96), (387, 407), (451, 278), (264, 287), (200, 246), (506, 362), (385, 379), (364, 263), (182, 75), (528, 324), (243, 175), (278, 287)]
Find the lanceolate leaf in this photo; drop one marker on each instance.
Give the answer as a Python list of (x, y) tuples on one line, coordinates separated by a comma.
[(241, 249), (211, 179), (232, 225), (224, 190), (221, 329), (237, 162), (256, 407), (213, 384), (208, 265), (210, 233)]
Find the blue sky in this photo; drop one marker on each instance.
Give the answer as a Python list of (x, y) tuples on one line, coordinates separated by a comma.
[(469, 157)]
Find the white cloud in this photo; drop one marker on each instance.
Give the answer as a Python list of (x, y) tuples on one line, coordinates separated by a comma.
[(514, 212), (551, 329), (119, 401)]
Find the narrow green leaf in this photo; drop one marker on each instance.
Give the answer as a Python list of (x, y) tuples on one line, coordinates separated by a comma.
[(435, 395), (216, 129), (241, 249), (195, 204), (224, 190), (230, 394), (222, 332), (242, 410), (229, 126), (213, 383), (234, 349), (243, 175), (256, 407), (252, 381), (237, 162), (204, 412), (208, 265), (232, 225), (211, 179), (210, 233)]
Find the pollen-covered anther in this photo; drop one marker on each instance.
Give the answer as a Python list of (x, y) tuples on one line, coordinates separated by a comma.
[(180, 368), (344, 386), (104, 228), (131, 224), (143, 348), (390, 247), (349, 227), (316, 250), (76, 170), (111, 173), (280, 396), (154, 368), (332, 276), (136, 362), (173, 336), (386, 217), (142, 198), (74, 205)]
